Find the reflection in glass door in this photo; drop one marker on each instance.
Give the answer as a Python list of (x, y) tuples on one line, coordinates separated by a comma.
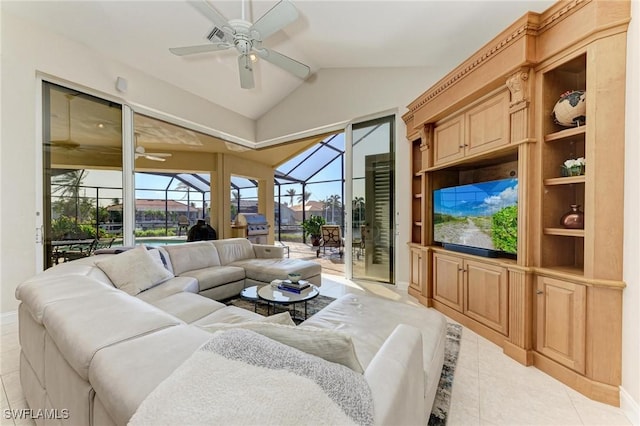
[(372, 213), (82, 172)]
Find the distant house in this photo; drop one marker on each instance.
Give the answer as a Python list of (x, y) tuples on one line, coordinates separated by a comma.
[(152, 214), (311, 207), (286, 215)]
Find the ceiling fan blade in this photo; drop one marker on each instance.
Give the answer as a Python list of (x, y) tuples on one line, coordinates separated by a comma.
[(278, 17), (210, 12), (294, 67), (190, 50), (245, 67)]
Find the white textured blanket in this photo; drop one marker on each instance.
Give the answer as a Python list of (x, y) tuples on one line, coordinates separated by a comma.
[(241, 377)]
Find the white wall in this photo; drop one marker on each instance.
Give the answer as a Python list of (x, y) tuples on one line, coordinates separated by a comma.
[(25, 51), (337, 95), (630, 395)]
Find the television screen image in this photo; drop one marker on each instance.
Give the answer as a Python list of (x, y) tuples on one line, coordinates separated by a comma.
[(482, 215)]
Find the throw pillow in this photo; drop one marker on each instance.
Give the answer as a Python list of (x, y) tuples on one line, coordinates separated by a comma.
[(329, 345), (134, 271)]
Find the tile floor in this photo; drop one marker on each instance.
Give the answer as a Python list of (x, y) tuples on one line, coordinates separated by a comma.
[(489, 388)]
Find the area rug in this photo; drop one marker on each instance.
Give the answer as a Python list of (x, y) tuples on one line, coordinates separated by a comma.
[(440, 409), (442, 402), (313, 306)]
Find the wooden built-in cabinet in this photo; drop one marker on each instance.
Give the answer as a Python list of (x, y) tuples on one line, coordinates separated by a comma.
[(477, 289), (561, 310), (483, 127), (558, 304)]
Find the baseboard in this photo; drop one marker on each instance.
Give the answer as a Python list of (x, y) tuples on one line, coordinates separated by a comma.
[(8, 317), (402, 285), (629, 407)]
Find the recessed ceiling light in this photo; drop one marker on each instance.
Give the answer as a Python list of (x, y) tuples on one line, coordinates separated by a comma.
[(100, 125)]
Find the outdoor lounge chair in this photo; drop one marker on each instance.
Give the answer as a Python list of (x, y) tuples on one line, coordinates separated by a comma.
[(331, 237)]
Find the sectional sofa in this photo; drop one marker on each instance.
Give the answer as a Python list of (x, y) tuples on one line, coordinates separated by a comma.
[(98, 341), (222, 268)]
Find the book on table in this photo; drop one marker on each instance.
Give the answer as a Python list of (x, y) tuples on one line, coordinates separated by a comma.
[(291, 289), (302, 284)]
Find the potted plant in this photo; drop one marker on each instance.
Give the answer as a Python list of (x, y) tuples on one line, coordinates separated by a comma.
[(312, 226)]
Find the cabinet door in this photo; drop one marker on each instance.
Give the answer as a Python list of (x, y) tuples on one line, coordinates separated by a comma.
[(448, 141), (488, 125), (417, 269), (447, 280), (561, 317), (486, 295)]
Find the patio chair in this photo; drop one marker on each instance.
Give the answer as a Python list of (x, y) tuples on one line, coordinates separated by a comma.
[(331, 237), (80, 250), (183, 223), (101, 243)]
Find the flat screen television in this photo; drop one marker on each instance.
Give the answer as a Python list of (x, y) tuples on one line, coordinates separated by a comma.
[(479, 218)]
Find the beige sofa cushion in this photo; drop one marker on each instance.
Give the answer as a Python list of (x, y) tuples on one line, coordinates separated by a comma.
[(83, 325), (233, 249), (215, 276), (330, 345), (267, 270), (188, 307), (191, 256), (124, 374), (135, 270)]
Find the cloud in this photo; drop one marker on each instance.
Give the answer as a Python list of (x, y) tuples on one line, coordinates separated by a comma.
[(507, 197)]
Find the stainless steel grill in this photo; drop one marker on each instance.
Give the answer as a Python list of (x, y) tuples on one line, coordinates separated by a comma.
[(256, 227)]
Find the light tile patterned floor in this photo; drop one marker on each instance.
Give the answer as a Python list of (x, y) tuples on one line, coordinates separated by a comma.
[(489, 388)]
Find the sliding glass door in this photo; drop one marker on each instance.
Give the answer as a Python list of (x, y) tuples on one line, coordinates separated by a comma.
[(82, 173), (372, 210)]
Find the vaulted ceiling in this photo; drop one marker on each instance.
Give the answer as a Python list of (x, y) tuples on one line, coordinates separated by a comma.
[(328, 34)]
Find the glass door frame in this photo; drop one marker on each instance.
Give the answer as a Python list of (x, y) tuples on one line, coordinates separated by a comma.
[(128, 187), (348, 190)]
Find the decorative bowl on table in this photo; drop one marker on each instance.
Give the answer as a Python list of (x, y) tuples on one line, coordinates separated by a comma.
[(294, 277)]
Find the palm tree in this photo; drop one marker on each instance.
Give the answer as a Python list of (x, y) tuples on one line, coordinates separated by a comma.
[(291, 193), (334, 200), (68, 185), (303, 198)]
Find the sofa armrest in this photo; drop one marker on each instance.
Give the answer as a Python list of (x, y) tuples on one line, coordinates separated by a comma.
[(265, 251), (396, 378)]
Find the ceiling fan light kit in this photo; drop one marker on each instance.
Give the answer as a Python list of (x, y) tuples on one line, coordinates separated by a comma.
[(247, 39)]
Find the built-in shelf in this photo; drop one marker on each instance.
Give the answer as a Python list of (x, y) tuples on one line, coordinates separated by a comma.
[(418, 174), (565, 180), (564, 134), (564, 232), (562, 270)]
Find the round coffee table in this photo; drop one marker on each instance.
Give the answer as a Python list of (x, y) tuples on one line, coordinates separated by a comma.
[(251, 294), (273, 295)]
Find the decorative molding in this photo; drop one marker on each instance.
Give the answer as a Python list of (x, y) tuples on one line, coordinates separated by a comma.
[(529, 28), (561, 14), (426, 136), (518, 86), (526, 29)]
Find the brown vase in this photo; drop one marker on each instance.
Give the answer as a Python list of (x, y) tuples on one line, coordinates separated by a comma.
[(573, 219)]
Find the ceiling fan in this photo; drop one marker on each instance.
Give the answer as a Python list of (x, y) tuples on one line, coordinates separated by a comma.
[(247, 39), (67, 143), (155, 156), (82, 145)]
